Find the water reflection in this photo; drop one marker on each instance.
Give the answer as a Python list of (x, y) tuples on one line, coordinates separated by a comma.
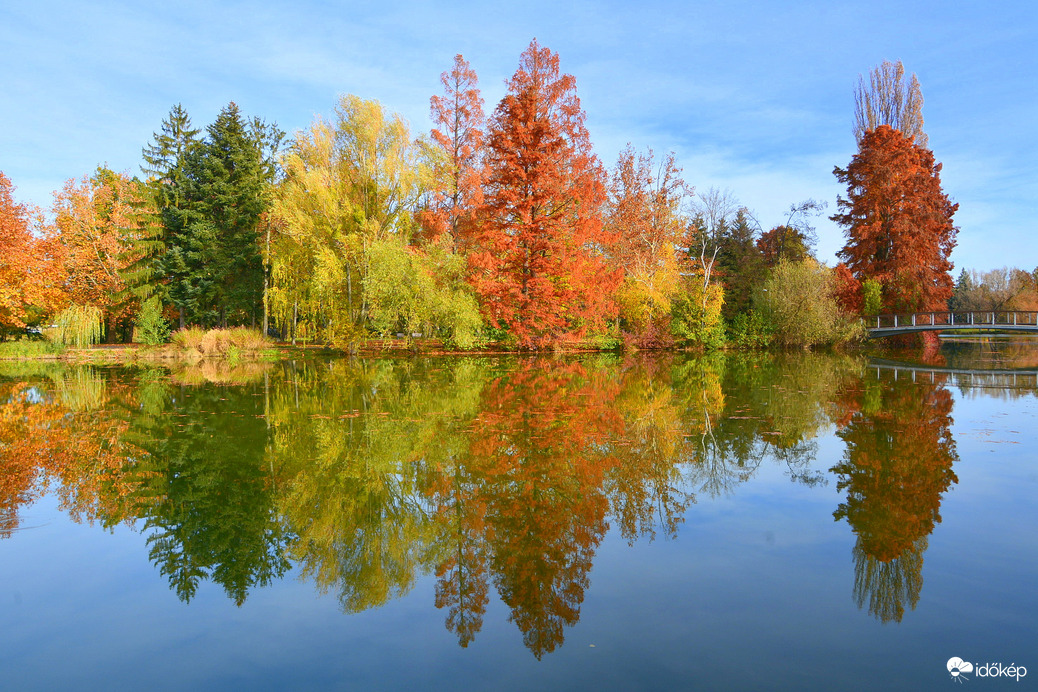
[(496, 476), (896, 467)]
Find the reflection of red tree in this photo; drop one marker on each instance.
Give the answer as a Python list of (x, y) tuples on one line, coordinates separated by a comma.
[(897, 465), (461, 585), (533, 489)]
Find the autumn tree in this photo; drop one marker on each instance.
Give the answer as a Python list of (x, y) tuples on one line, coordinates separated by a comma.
[(26, 276), (999, 289), (539, 268), (799, 302), (645, 219), (459, 123), (352, 188), (94, 224), (897, 221), (887, 100), (791, 240)]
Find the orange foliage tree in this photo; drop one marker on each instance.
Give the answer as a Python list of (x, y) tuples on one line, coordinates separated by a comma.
[(458, 116), (539, 269), (644, 209), (897, 221), (25, 285), (93, 222), (644, 217)]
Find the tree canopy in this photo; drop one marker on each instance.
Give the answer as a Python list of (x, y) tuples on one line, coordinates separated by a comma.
[(897, 221)]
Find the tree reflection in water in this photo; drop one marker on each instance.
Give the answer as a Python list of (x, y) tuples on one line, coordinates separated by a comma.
[(896, 467), (491, 474)]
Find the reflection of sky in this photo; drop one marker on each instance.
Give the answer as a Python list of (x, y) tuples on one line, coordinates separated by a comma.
[(755, 592)]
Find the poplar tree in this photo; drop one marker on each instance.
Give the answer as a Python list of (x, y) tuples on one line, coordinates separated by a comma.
[(887, 100)]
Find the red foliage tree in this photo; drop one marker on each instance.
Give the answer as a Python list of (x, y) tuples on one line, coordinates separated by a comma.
[(848, 290), (459, 123), (897, 221), (783, 243), (539, 270), (23, 275)]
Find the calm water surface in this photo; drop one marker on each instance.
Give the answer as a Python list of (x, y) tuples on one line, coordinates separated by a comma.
[(730, 522)]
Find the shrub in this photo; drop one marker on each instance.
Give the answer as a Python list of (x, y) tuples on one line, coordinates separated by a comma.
[(696, 318), (150, 327), (798, 302), (189, 338), (237, 342), (749, 330)]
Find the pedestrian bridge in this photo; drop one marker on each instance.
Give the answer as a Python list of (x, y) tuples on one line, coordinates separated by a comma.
[(966, 378), (973, 320)]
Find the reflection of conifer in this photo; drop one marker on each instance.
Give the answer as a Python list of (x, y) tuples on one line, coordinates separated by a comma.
[(202, 490)]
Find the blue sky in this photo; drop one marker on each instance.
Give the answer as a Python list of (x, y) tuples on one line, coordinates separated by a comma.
[(752, 96)]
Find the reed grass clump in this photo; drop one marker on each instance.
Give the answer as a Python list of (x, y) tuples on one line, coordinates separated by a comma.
[(237, 342)]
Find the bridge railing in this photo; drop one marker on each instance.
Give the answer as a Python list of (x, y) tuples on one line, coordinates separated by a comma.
[(1006, 318)]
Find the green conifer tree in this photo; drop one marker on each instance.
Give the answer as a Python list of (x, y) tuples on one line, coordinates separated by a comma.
[(157, 208), (214, 259)]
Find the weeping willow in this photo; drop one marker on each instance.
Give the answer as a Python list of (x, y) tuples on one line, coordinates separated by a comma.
[(79, 325)]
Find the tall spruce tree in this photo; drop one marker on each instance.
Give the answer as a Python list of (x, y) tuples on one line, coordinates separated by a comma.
[(740, 264), (213, 260), (156, 211)]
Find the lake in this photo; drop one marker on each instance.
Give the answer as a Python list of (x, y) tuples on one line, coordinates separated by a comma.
[(643, 522)]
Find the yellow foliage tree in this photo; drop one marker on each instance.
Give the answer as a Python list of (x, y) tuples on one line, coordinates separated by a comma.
[(350, 183)]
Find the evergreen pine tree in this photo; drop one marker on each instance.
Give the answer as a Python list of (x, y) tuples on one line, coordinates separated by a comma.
[(214, 259), (156, 209), (740, 264)]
